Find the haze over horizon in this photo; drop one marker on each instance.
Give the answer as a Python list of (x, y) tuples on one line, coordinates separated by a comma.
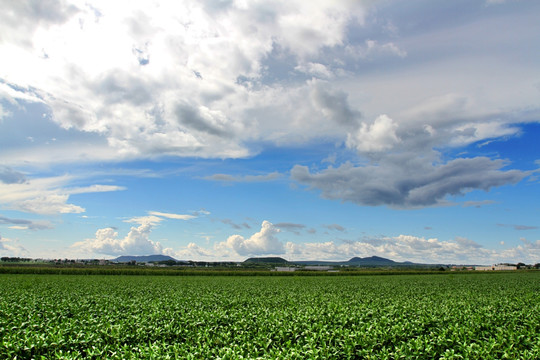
[(221, 130)]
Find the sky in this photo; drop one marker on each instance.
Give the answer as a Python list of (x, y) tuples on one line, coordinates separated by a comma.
[(222, 130)]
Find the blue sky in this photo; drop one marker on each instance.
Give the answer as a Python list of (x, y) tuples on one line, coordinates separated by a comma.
[(211, 130)]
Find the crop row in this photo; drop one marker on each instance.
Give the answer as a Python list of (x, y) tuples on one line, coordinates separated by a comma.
[(373, 317)]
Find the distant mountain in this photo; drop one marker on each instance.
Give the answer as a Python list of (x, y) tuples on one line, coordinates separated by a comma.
[(266, 260), (144, 258), (370, 261), (355, 261)]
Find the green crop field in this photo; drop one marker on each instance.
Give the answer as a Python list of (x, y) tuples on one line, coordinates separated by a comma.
[(457, 316)]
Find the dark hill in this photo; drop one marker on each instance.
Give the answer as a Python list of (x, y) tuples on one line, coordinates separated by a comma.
[(266, 260), (144, 258), (370, 261)]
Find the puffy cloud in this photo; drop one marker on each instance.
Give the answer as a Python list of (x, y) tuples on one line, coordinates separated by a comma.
[(397, 248), (379, 136), (192, 252), (187, 75), (136, 242), (263, 242), (401, 182)]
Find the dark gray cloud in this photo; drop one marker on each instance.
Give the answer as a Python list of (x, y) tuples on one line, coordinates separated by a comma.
[(519, 227), (10, 176), (192, 118), (246, 178), (335, 227), (335, 105), (32, 225), (478, 204), (406, 183), (292, 227), (235, 225), (121, 87), (24, 17)]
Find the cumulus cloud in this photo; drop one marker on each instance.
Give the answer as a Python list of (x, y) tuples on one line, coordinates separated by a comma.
[(186, 74), (378, 136), (263, 242), (406, 183), (136, 242), (397, 248), (192, 252)]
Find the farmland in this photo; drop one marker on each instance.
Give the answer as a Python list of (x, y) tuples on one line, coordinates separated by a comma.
[(450, 316)]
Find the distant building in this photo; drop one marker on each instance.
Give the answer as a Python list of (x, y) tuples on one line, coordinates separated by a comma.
[(284, 268), (484, 268), (505, 267), (499, 267)]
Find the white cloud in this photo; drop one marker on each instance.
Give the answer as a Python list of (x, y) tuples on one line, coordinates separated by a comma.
[(136, 242), (155, 217), (315, 69), (96, 64), (378, 136), (9, 247), (372, 50), (172, 216), (263, 242), (46, 195), (208, 80), (412, 248), (10, 176), (3, 113), (193, 252)]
